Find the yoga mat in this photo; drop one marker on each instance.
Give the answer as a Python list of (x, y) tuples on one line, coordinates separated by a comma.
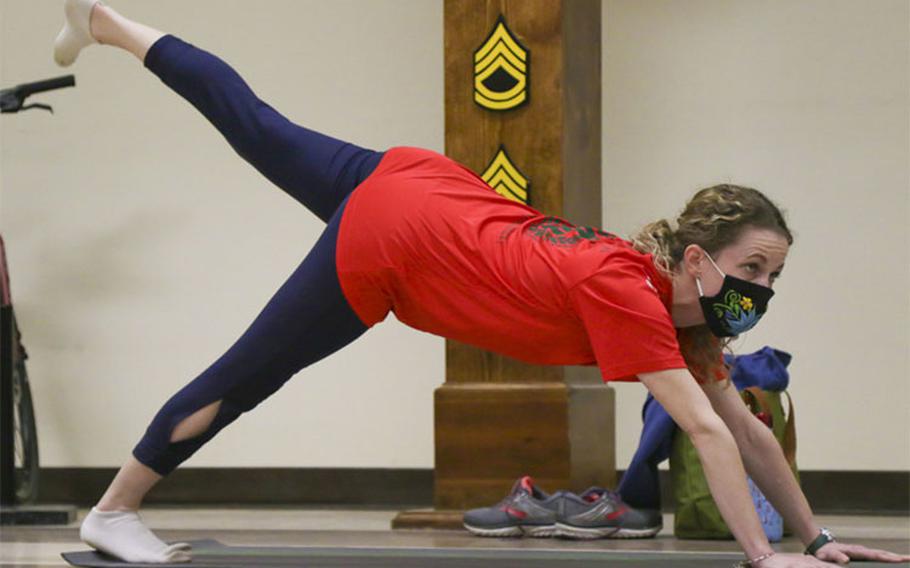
[(214, 553)]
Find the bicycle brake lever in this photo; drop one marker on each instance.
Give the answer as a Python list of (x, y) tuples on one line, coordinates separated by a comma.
[(38, 105)]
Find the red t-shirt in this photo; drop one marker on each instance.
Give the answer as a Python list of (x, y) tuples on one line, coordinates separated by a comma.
[(429, 240)]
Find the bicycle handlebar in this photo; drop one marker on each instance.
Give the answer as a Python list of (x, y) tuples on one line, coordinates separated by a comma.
[(11, 99), (48, 85)]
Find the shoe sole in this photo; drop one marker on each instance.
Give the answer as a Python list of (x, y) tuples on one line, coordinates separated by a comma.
[(580, 533), (637, 533), (591, 533), (534, 531)]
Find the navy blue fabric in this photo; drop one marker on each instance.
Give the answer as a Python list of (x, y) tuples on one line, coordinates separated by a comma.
[(317, 170), (766, 369), (308, 318), (640, 485)]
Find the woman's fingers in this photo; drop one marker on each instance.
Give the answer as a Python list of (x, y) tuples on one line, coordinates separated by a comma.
[(833, 552), (858, 552)]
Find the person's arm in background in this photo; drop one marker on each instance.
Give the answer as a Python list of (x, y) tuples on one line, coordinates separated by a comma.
[(764, 459)]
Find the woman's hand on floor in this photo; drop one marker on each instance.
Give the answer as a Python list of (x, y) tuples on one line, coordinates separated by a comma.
[(781, 560), (842, 553)]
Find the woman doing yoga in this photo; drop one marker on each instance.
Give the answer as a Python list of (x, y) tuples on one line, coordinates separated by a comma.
[(453, 258)]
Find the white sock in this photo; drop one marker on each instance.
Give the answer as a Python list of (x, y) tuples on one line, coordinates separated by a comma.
[(76, 33), (124, 535)]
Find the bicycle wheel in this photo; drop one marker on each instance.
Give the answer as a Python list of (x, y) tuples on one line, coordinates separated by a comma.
[(25, 437)]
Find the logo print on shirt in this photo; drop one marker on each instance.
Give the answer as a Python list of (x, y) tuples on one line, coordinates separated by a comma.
[(561, 233)]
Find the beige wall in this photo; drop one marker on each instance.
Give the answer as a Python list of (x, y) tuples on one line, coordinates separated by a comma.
[(807, 101), (141, 246)]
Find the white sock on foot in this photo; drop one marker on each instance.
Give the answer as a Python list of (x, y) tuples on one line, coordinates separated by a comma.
[(124, 535), (76, 33)]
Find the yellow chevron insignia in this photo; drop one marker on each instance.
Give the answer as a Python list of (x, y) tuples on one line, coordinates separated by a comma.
[(501, 68), (505, 179)]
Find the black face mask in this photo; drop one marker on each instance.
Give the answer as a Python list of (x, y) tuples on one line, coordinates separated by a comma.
[(736, 308)]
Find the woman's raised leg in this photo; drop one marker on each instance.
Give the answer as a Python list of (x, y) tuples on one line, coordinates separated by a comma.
[(317, 170), (89, 21)]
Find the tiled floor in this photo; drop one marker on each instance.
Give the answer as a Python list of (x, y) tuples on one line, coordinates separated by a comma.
[(28, 547)]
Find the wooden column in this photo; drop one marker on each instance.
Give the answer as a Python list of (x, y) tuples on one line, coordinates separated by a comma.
[(497, 418)]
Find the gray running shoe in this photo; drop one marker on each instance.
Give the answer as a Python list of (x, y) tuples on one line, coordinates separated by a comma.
[(527, 510), (601, 513)]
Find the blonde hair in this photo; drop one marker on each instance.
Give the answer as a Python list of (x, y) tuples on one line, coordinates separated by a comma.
[(714, 218)]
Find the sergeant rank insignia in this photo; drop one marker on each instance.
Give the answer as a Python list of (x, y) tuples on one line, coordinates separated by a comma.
[(501, 68), (505, 179)]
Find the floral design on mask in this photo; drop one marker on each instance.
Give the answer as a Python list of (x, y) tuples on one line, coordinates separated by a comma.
[(737, 312)]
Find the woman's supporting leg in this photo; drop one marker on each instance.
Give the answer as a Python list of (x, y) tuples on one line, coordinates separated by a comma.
[(129, 487), (304, 322), (317, 170)]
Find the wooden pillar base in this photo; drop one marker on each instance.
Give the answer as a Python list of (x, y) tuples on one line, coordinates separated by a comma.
[(490, 434)]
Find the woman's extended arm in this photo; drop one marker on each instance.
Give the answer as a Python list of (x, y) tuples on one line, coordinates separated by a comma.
[(677, 391), (764, 460)]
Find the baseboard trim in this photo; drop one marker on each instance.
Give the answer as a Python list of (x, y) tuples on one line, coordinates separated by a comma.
[(829, 492), (252, 486)]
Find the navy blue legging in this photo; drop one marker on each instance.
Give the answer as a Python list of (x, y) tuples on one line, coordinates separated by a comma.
[(308, 318)]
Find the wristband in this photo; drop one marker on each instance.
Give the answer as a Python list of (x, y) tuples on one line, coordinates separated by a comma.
[(752, 562), (823, 538)]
